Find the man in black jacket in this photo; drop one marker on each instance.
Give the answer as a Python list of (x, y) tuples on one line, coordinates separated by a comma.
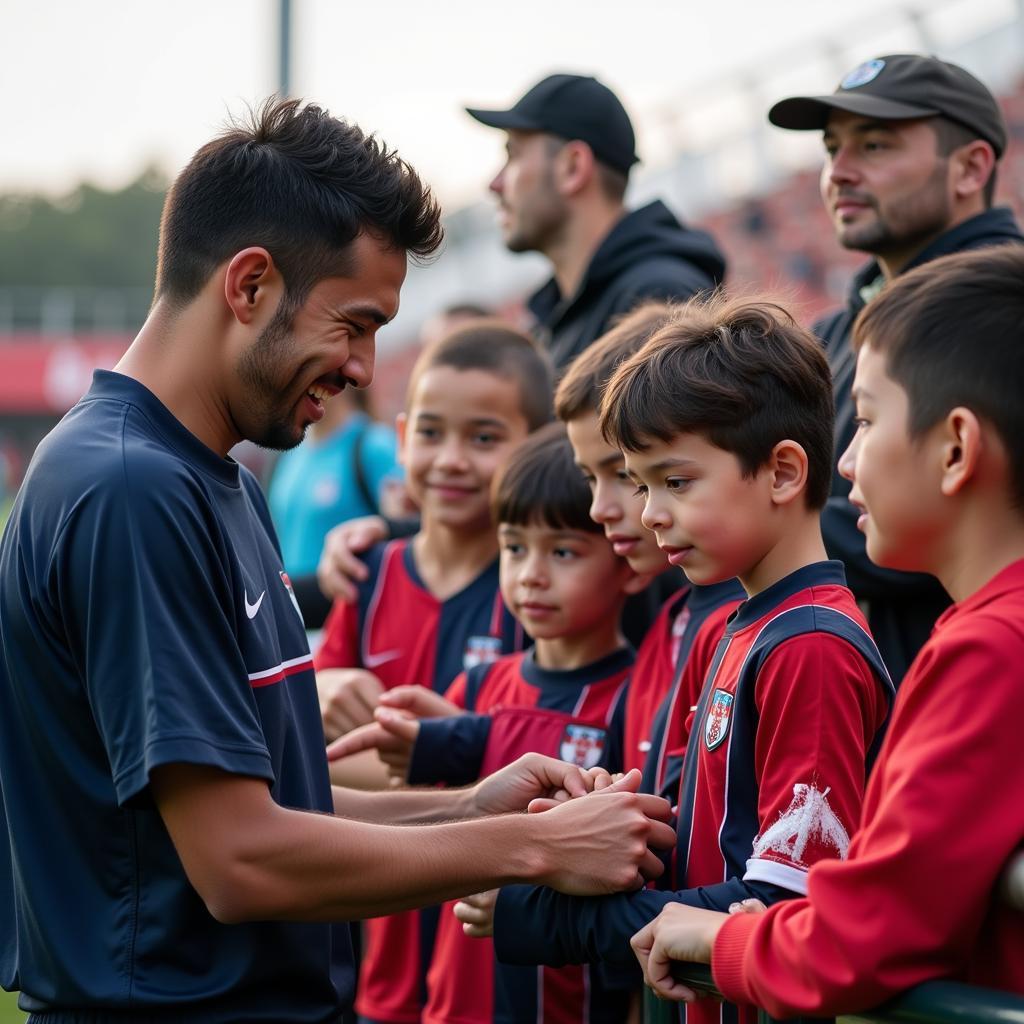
[(911, 148), (570, 149)]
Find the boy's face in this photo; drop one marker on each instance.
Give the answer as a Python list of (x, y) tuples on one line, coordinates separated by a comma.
[(615, 504), (709, 519), (560, 582), (894, 486), (460, 427)]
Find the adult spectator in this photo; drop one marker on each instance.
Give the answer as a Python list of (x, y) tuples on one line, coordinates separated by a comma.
[(162, 767), (911, 145), (570, 148)]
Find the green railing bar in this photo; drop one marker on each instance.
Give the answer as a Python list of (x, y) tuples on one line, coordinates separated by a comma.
[(934, 1002)]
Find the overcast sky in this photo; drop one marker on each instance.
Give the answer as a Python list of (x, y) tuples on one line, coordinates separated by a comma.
[(97, 88)]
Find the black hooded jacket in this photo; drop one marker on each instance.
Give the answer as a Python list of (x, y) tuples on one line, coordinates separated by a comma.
[(647, 255), (902, 607)]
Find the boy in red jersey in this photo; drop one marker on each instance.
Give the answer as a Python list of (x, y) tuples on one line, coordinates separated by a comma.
[(725, 418), (937, 467), (692, 618), (431, 607), (565, 697)]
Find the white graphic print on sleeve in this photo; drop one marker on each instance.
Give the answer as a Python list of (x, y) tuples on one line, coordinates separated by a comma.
[(809, 820)]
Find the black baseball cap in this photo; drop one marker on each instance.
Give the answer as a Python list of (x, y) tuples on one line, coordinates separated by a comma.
[(900, 87), (572, 107)]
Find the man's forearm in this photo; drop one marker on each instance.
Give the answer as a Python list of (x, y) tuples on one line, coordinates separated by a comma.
[(405, 806)]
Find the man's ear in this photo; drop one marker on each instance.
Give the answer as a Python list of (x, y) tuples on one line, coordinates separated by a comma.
[(575, 167), (973, 165), (788, 467), (251, 281), (961, 443)]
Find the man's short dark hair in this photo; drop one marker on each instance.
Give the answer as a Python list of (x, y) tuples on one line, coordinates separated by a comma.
[(950, 135), (541, 484), (298, 182), (740, 373), (495, 347), (584, 382), (951, 334)]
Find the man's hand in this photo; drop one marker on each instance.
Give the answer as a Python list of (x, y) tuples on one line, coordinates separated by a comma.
[(348, 697), (340, 570), (477, 914), (601, 781), (393, 735), (678, 933), (533, 776)]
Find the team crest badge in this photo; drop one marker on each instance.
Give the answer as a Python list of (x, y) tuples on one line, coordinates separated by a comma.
[(582, 745), (862, 74), (716, 726), (481, 650), (291, 593)]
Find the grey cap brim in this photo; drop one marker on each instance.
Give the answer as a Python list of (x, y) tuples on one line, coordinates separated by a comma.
[(507, 120), (810, 113)]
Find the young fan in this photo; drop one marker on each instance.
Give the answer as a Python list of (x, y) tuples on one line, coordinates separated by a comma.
[(725, 418), (692, 618), (565, 697), (937, 467), (431, 607)]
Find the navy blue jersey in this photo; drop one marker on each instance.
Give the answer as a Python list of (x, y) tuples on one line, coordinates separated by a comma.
[(145, 619), (791, 712)]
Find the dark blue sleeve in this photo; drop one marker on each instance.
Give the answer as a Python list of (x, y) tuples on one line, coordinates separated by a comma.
[(144, 579), (449, 750), (540, 926)]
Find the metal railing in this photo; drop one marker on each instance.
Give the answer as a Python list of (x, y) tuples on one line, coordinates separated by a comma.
[(933, 1002)]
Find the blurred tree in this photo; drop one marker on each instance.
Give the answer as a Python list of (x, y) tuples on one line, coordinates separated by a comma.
[(91, 237)]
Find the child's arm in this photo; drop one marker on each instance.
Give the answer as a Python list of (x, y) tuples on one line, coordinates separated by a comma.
[(823, 704)]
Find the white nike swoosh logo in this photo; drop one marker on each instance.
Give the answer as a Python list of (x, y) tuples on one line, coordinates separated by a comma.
[(374, 660), (252, 609)]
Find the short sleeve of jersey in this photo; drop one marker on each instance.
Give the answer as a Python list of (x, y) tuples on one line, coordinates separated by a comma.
[(142, 576), (819, 706)]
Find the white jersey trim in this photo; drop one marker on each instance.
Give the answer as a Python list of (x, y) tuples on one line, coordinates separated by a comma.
[(786, 875)]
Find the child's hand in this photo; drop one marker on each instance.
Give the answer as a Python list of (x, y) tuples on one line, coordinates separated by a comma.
[(477, 914), (600, 780), (677, 933), (419, 701), (392, 735), (347, 697)]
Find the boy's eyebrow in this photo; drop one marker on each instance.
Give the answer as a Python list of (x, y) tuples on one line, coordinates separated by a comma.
[(482, 421), (858, 391), (671, 463)]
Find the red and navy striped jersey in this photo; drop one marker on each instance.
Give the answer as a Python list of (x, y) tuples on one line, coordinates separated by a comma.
[(652, 740), (575, 715), (399, 631), (788, 722)]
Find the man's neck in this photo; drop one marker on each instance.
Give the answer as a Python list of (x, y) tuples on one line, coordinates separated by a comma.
[(565, 653), (894, 262), (800, 544), (448, 560), (173, 356), (572, 252)]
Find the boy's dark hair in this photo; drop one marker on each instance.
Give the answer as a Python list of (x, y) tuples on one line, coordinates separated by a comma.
[(494, 347), (541, 484), (298, 182), (584, 382), (741, 374), (951, 334)]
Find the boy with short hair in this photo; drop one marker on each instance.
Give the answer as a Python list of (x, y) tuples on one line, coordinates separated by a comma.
[(937, 467), (725, 417), (431, 606), (564, 697), (662, 690)]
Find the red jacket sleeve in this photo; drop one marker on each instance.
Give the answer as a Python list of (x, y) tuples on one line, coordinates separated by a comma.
[(914, 900), (819, 706), (339, 645)]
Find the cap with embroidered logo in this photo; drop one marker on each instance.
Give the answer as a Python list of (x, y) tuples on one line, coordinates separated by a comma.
[(571, 107), (902, 87)]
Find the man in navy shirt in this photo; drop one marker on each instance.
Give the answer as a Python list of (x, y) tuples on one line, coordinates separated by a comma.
[(172, 852)]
